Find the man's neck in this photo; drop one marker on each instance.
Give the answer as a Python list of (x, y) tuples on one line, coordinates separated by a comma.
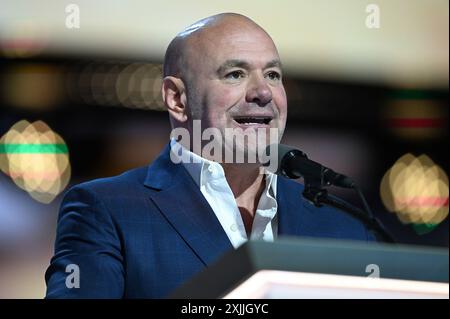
[(247, 184)]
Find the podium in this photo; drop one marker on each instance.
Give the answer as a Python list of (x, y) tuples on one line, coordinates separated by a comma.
[(313, 268)]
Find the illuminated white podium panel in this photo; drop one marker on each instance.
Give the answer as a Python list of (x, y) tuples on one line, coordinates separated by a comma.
[(319, 269), (272, 284)]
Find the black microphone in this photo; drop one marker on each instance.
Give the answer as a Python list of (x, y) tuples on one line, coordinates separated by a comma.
[(293, 163)]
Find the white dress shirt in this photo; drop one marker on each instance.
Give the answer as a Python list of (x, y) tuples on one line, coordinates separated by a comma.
[(210, 178)]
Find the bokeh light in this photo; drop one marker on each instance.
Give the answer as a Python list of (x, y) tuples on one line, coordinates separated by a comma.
[(113, 83), (36, 159), (33, 86), (416, 189), (24, 39), (416, 115)]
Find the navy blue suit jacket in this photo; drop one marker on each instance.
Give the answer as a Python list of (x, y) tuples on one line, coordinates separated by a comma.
[(145, 232)]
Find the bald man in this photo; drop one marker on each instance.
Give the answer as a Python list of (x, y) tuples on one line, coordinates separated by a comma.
[(145, 232)]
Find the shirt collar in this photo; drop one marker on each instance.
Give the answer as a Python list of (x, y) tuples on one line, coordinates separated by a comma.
[(203, 170)]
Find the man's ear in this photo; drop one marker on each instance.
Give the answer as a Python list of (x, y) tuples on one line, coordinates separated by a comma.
[(174, 97)]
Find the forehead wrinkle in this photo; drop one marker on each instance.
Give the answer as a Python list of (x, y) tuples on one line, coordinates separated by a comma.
[(234, 63), (275, 63), (237, 63)]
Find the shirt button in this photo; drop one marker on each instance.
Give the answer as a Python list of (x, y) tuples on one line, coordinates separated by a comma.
[(233, 227), (210, 169)]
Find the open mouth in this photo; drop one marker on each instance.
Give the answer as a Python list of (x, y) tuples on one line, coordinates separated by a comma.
[(253, 120)]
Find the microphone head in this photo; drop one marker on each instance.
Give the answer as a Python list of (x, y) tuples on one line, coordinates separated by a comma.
[(279, 155), (292, 163)]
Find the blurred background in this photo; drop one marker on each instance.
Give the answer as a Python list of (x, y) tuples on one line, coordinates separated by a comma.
[(80, 99)]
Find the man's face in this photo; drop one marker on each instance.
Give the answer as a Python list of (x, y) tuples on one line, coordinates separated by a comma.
[(234, 81)]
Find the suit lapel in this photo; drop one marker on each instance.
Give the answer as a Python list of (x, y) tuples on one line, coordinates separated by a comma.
[(181, 202), (290, 209)]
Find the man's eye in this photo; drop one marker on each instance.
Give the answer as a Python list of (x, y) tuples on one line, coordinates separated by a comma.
[(235, 75), (274, 76)]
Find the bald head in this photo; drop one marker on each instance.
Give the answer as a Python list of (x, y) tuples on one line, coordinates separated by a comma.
[(207, 29)]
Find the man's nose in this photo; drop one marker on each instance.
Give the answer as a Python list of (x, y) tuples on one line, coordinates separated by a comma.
[(258, 91)]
